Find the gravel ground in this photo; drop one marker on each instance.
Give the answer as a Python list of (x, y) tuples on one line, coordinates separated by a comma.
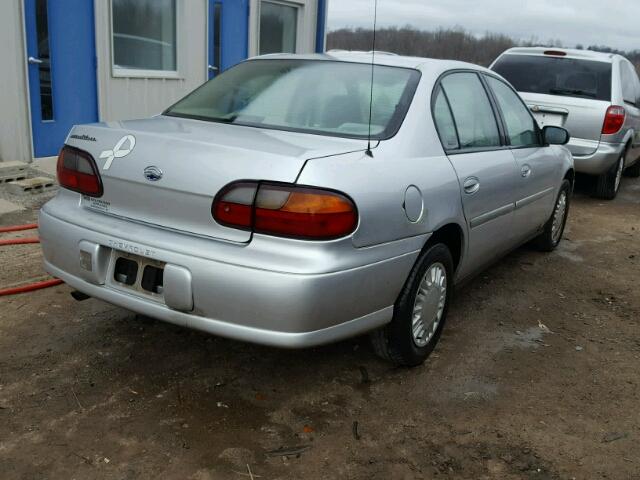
[(536, 377)]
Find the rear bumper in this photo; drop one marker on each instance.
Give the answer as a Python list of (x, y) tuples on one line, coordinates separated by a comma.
[(601, 160), (326, 299)]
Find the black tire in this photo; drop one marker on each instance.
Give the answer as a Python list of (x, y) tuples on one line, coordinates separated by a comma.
[(634, 170), (395, 342), (607, 187), (547, 241)]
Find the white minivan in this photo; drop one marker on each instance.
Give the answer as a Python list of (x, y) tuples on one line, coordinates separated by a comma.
[(595, 96)]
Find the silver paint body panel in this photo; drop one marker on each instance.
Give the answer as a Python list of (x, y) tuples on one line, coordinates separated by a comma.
[(286, 292)]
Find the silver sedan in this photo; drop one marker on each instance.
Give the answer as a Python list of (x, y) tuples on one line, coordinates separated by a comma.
[(288, 202)]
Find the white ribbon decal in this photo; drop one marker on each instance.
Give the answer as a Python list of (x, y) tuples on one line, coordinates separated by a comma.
[(118, 151)]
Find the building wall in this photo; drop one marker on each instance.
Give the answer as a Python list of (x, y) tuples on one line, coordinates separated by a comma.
[(125, 97), (135, 97), (15, 127)]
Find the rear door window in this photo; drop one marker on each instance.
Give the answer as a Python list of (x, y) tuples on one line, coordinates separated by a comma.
[(444, 121), (472, 112), (520, 125), (557, 75)]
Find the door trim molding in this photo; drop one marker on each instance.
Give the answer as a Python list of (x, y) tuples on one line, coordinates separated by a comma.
[(523, 202), (492, 215)]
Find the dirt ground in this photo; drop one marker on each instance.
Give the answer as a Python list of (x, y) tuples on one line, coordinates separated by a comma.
[(536, 377)]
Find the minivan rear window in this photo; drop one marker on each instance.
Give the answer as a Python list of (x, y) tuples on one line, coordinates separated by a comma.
[(568, 77)]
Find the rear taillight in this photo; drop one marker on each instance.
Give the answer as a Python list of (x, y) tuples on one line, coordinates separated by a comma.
[(286, 210), (613, 120), (77, 171)]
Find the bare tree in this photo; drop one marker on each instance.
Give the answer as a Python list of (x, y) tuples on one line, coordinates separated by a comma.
[(452, 43)]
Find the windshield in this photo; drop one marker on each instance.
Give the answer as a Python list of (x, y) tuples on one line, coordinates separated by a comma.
[(314, 96), (557, 76)]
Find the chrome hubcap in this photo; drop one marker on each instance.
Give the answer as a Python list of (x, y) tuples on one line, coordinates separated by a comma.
[(429, 304), (558, 217), (619, 173)]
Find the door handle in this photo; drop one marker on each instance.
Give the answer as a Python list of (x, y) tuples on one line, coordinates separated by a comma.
[(213, 68), (525, 171), (34, 61), (471, 185)]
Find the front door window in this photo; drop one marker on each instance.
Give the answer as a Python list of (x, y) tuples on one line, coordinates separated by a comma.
[(520, 125)]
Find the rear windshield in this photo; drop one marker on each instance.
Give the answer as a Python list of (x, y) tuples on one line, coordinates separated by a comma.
[(314, 96), (557, 76)]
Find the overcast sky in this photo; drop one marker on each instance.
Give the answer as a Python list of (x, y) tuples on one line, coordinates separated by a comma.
[(615, 23)]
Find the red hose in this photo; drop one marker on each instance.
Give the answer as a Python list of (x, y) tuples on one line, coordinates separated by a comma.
[(17, 228), (31, 287), (22, 241), (19, 241)]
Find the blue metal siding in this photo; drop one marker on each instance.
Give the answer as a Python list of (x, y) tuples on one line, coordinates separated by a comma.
[(235, 32), (321, 25)]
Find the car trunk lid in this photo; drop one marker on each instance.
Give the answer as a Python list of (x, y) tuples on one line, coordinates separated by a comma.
[(187, 163)]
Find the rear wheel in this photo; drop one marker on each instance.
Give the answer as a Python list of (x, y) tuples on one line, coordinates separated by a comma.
[(420, 310), (608, 183), (550, 238)]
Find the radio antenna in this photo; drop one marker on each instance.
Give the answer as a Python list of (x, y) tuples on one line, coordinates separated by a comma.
[(373, 58)]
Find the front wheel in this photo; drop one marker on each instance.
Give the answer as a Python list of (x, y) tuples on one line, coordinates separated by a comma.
[(550, 237), (420, 310), (608, 183)]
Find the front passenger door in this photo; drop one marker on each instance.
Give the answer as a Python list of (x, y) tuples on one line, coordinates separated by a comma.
[(486, 170), (538, 168)]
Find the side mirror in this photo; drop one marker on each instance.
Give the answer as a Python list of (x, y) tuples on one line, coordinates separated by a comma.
[(555, 135)]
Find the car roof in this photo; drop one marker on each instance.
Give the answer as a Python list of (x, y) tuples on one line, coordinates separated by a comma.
[(569, 53), (431, 65)]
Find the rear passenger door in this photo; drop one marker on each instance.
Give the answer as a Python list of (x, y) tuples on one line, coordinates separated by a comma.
[(539, 169), (486, 170)]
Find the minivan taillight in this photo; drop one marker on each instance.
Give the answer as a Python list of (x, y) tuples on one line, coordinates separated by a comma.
[(286, 210), (613, 120), (77, 171)]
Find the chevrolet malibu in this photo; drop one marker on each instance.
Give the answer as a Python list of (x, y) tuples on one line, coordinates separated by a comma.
[(288, 202)]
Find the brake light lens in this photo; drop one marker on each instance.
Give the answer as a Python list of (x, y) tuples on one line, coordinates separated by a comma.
[(77, 171), (286, 210), (614, 120), (555, 53)]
